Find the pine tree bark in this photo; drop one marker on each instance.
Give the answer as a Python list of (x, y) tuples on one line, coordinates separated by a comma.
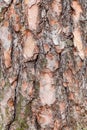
[(43, 65)]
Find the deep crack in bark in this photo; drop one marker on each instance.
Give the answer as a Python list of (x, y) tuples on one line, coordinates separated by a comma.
[(8, 126)]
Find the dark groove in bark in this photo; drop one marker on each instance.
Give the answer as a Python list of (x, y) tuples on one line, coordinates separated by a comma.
[(8, 126), (37, 125), (68, 107)]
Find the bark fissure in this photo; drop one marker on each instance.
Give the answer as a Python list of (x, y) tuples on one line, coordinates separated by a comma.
[(8, 126)]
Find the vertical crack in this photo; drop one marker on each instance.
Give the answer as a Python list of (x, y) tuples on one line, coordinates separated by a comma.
[(68, 106), (8, 126)]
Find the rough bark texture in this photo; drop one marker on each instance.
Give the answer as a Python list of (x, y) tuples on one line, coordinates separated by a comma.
[(43, 65)]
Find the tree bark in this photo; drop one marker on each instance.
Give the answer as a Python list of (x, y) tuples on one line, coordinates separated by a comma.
[(43, 65)]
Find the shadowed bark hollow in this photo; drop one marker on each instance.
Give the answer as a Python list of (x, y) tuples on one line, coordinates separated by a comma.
[(43, 65)]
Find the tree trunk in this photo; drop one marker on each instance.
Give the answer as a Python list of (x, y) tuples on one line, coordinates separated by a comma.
[(43, 59)]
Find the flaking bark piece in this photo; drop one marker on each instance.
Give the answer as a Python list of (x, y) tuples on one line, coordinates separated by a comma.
[(47, 88), (30, 49)]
